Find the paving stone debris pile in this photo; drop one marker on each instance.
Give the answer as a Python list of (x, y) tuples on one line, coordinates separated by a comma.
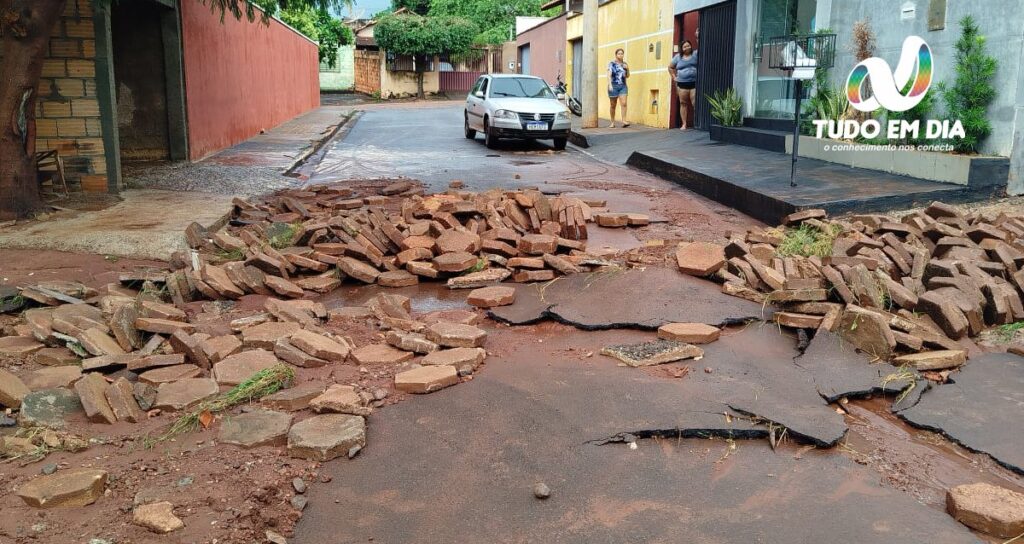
[(906, 290), (179, 343)]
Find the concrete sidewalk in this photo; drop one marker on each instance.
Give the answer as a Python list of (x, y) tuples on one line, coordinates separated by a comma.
[(148, 220)]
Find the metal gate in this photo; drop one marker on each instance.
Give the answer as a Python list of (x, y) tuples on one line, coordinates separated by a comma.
[(577, 69), (524, 60), (458, 73), (717, 50)]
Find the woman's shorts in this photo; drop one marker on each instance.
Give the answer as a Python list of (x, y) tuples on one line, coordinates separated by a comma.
[(617, 91), (686, 85)]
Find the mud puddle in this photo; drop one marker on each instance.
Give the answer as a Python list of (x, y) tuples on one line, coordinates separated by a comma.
[(918, 462)]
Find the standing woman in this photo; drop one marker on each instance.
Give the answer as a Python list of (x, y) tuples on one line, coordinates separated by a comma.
[(618, 72), (684, 70)]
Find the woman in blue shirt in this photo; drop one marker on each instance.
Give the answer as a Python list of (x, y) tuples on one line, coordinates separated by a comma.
[(618, 72), (684, 71)]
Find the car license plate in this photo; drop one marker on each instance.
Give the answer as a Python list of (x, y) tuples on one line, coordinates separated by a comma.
[(536, 125)]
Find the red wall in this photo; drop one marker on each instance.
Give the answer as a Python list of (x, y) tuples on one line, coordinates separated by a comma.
[(241, 77), (547, 49)]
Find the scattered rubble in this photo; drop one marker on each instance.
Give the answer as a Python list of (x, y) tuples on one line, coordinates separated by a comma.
[(892, 287), (653, 353)]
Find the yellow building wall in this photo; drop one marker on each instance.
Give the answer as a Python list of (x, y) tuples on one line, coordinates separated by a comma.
[(404, 84), (643, 28)]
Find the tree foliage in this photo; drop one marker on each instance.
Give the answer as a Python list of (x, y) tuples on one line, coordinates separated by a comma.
[(968, 98), (321, 26), (495, 18), (419, 7), (409, 34)]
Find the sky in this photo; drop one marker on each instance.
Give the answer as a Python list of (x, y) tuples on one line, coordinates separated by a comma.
[(366, 8)]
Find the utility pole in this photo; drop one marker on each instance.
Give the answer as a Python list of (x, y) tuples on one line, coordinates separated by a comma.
[(589, 72)]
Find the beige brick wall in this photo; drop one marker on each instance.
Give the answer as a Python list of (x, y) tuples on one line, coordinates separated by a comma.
[(68, 116)]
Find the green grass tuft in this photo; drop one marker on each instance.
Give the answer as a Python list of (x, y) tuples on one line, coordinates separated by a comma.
[(1008, 331), (263, 383), (808, 241), (283, 238)]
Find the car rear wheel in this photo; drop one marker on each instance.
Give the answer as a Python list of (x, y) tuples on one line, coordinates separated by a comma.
[(490, 135), (470, 133), (560, 143)]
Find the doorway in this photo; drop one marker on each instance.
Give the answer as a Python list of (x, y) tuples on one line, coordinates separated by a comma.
[(716, 56), (774, 90), (686, 25), (577, 69), (149, 91), (524, 59)]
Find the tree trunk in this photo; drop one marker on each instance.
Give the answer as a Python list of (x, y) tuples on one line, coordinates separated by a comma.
[(419, 80), (25, 29)]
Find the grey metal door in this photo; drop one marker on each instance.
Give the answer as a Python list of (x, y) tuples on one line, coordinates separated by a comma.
[(577, 69), (524, 60), (717, 49)]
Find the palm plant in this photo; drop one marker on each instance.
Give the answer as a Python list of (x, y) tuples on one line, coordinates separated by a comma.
[(726, 107)]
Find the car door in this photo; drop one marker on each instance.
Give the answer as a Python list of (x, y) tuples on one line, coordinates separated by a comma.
[(474, 104)]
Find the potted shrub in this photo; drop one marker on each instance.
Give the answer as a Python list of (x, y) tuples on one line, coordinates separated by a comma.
[(727, 109)]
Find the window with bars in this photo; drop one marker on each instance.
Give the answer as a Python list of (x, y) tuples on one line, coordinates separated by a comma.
[(408, 63)]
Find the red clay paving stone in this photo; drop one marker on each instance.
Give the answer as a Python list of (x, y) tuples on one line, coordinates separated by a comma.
[(358, 270), (537, 244), (169, 374), (241, 366), (283, 287), (91, 391), (410, 341), (482, 278), (19, 345), (933, 360), (328, 436), (490, 297), (185, 393), (397, 278), (256, 428), (163, 326), (798, 321), (12, 390), (320, 346), (50, 377), (987, 508), (453, 241), (700, 258), (265, 336), (690, 333), (121, 398), (426, 379), (379, 354), (219, 347), (455, 262), (455, 335), (68, 488), (294, 398), (340, 399), (291, 354)]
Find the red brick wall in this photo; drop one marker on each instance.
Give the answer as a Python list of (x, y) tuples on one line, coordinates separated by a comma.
[(241, 77)]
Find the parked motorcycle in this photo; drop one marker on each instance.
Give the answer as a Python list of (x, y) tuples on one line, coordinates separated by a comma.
[(574, 105)]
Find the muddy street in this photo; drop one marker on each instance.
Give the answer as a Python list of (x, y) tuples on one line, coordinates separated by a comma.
[(419, 339)]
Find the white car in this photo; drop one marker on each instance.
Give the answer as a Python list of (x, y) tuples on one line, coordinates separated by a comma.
[(515, 106)]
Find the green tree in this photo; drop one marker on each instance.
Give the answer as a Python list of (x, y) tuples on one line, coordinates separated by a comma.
[(25, 30), (424, 37), (419, 7), (972, 91), (321, 26), (496, 18)]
